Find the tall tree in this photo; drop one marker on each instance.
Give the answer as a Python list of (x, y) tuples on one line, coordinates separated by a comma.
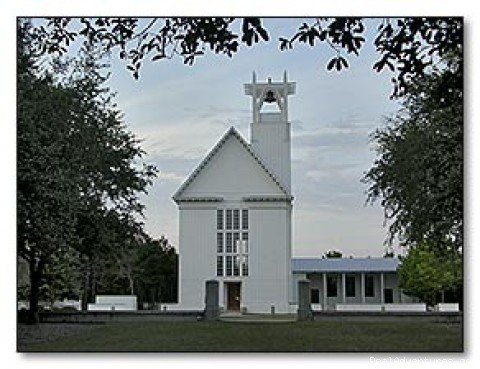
[(76, 161), (156, 269), (418, 173)]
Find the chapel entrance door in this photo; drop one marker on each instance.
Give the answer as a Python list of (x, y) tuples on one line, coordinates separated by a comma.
[(233, 296)]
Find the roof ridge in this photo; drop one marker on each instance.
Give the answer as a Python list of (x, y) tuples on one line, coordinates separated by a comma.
[(231, 131)]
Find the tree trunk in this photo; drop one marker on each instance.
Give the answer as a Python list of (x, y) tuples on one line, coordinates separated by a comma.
[(85, 289), (130, 283), (35, 273)]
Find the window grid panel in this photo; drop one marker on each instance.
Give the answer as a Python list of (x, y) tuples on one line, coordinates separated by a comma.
[(236, 237), (236, 219), (220, 242), (236, 266), (229, 265), (228, 242), (245, 266), (220, 266), (219, 219), (244, 218), (245, 238), (229, 219)]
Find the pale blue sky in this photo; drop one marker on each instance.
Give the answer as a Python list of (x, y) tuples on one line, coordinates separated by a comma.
[(181, 111)]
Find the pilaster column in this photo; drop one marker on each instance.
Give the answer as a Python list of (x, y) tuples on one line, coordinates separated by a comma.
[(344, 299), (362, 287), (324, 291), (382, 289)]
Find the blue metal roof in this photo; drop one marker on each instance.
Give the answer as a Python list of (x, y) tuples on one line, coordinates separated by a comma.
[(331, 265)]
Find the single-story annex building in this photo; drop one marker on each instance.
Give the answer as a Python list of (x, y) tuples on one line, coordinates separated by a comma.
[(354, 281)]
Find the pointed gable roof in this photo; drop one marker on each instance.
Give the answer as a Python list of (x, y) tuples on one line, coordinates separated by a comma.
[(231, 132)]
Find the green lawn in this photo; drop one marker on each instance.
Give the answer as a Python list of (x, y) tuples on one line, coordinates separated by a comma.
[(221, 336)]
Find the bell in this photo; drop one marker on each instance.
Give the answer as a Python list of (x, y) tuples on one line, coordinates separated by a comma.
[(270, 97)]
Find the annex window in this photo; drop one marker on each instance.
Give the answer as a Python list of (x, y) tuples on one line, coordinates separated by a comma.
[(314, 296), (232, 242), (369, 286), (350, 286), (331, 286)]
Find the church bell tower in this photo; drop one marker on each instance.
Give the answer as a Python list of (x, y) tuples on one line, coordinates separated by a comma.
[(270, 131)]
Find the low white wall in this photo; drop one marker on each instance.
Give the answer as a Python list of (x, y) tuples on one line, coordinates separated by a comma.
[(75, 304), (381, 307), (452, 307), (173, 306), (317, 307), (114, 303), (406, 307), (124, 300), (358, 307)]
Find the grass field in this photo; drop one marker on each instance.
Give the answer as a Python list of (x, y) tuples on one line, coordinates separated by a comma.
[(221, 336)]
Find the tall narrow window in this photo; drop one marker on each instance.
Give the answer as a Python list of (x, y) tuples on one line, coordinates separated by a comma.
[(228, 242), (236, 265), (229, 265), (350, 286), (245, 238), (331, 286), (369, 284), (220, 242), (245, 265), (232, 243), (229, 219), (236, 237), (315, 296), (244, 219), (219, 266), (236, 219), (219, 219)]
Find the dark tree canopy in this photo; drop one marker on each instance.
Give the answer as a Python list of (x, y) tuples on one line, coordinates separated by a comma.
[(409, 46), (75, 160), (418, 173)]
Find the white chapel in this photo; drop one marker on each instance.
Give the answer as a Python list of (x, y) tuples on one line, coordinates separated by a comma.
[(235, 213), (235, 225)]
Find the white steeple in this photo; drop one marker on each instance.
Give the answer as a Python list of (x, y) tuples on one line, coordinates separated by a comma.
[(270, 131)]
